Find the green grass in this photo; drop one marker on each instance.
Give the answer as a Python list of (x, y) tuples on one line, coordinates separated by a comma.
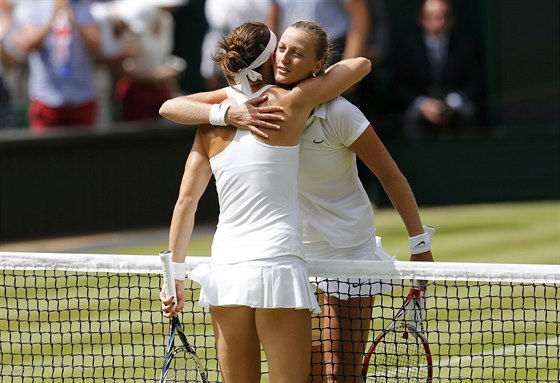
[(523, 233), (519, 233)]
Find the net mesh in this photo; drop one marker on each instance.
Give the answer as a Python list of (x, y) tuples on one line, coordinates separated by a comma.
[(96, 318)]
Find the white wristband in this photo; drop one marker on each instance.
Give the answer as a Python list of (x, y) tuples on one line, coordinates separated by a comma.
[(420, 243), (179, 270), (218, 114)]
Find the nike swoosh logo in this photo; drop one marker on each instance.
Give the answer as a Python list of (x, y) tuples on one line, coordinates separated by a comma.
[(318, 142), (420, 244), (356, 284)]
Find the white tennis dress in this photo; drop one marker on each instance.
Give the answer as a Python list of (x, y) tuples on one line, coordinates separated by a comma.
[(257, 253), (338, 218)]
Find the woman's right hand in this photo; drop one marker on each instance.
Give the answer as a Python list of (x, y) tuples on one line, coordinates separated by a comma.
[(167, 302), (254, 117)]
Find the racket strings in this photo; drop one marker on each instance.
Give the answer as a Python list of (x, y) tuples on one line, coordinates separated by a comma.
[(183, 368), (399, 357)]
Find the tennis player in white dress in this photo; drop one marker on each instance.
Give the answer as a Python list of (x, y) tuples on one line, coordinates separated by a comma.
[(257, 284)]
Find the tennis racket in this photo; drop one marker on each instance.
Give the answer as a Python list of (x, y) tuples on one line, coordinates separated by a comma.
[(401, 353), (181, 363)]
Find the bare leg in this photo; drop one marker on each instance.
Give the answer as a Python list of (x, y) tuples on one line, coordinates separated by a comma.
[(346, 329), (316, 347), (286, 338), (237, 344)]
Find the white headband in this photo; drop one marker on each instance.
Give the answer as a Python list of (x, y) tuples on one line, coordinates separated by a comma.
[(244, 75)]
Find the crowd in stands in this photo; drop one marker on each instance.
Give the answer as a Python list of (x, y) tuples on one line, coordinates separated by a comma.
[(86, 63), (90, 63)]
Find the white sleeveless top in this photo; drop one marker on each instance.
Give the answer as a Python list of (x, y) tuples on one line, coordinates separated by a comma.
[(257, 193)]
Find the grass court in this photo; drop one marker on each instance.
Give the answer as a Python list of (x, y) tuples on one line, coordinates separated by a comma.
[(120, 331)]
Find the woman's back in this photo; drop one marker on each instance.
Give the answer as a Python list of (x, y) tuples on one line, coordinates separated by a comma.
[(257, 192), (217, 139), (256, 181)]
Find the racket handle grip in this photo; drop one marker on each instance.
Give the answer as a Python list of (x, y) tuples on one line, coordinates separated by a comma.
[(168, 279)]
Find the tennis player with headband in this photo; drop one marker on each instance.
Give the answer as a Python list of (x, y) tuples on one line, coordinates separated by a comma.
[(338, 218), (257, 284)]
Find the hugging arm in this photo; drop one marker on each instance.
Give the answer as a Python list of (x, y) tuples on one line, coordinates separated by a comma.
[(195, 180), (337, 79), (194, 109)]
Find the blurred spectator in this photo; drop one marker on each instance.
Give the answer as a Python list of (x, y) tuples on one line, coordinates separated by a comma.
[(150, 77), (116, 47), (371, 95), (377, 43), (222, 17), (62, 41), (7, 114), (16, 71), (346, 22), (438, 80)]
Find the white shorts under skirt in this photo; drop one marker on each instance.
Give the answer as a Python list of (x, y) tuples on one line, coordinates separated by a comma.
[(281, 282), (350, 287)]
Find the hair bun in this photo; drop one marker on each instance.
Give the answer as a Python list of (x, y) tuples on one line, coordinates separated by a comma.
[(241, 47)]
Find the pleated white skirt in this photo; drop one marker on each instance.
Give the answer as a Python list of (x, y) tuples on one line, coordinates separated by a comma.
[(280, 282), (345, 288)]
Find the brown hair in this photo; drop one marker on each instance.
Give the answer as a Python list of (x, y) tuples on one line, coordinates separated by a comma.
[(322, 45), (241, 47)]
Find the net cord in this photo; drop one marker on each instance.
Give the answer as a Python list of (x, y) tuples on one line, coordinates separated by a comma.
[(146, 264)]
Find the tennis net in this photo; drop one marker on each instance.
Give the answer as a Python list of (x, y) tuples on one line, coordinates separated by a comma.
[(96, 318)]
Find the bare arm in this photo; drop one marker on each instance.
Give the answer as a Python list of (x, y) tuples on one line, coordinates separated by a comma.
[(6, 59), (375, 156), (273, 18), (89, 34), (196, 176), (339, 77), (357, 34), (194, 109), (31, 37)]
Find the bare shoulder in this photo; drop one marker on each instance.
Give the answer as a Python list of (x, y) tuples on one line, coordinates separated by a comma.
[(295, 115), (215, 138), (288, 98), (275, 95)]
